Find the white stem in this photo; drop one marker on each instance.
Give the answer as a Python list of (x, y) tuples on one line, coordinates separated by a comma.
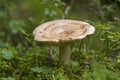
[(64, 54)]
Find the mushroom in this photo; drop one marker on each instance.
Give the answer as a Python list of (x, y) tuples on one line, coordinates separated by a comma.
[(62, 33)]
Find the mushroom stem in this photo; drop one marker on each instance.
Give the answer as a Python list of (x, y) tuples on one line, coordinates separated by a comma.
[(64, 54)]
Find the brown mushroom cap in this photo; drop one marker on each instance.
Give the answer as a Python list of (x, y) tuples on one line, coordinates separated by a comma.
[(58, 31)]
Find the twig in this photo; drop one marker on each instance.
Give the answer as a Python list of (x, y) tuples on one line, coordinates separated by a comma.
[(81, 46), (50, 56), (67, 9)]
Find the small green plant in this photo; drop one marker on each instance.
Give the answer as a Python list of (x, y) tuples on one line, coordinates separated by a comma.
[(8, 78), (6, 54), (98, 72)]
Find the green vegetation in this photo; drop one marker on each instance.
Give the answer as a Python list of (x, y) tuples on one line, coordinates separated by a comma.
[(96, 57)]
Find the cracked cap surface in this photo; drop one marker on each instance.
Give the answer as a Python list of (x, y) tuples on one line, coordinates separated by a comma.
[(62, 31)]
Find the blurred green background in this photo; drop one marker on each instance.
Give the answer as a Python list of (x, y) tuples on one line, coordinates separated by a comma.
[(97, 57)]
